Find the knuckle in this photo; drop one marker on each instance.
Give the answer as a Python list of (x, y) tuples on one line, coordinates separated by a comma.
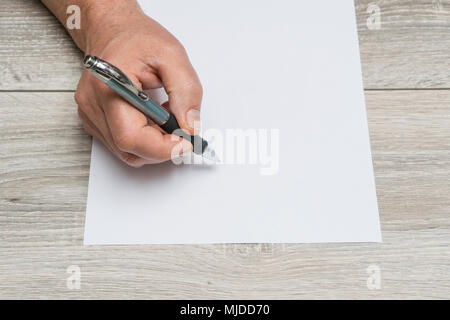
[(124, 140), (175, 48), (191, 84), (197, 88), (81, 102), (132, 160), (78, 96)]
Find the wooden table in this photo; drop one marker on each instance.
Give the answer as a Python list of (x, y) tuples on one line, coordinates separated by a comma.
[(44, 169)]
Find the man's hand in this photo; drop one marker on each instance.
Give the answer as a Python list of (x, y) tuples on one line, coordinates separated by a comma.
[(120, 33)]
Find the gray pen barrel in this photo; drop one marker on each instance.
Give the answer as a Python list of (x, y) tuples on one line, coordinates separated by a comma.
[(159, 115), (150, 108)]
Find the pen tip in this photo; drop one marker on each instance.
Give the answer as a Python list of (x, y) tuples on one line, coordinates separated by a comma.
[(210, 154)]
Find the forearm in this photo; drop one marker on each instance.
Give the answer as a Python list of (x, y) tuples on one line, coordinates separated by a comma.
[(107, 14)]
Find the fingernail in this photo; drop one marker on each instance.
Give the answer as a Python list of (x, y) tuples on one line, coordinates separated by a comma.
[(193, 120)]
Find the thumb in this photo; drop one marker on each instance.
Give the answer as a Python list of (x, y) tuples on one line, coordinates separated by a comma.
[(185, 93)]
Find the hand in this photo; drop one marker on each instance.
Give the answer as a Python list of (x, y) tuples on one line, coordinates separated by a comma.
[(152, 58)]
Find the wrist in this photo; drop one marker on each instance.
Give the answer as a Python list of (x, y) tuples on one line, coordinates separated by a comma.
[(103, 20)]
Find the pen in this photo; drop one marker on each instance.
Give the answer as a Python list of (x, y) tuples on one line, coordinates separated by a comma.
[(115, 79)]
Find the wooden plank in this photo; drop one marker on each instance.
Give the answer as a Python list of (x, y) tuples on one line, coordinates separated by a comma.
[(409, 51), (36, 52), (44, 168)]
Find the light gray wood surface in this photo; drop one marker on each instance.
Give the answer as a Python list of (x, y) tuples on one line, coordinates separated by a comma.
[(44, 169)]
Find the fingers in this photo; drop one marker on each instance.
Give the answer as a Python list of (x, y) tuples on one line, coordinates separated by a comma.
[(130, 159), (132, 133), (183, 88)]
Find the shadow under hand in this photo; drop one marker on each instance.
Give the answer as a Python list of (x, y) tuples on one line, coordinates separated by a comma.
[(165, 174)]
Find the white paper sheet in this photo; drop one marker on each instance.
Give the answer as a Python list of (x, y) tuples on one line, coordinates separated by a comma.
[(284, 70)]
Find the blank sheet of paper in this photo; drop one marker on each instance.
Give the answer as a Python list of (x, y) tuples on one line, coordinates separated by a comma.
[(284, 107)]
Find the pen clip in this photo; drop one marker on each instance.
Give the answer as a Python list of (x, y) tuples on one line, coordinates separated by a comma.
[(105, 71)]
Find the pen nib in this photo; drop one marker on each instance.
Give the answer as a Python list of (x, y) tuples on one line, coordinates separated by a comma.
[(210, 154)]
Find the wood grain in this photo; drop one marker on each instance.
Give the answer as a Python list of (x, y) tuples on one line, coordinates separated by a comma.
[(411, 48), (44, 169), (409, 51), (35, 52)]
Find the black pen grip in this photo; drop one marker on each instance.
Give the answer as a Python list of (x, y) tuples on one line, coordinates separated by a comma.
[(171, 126)]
